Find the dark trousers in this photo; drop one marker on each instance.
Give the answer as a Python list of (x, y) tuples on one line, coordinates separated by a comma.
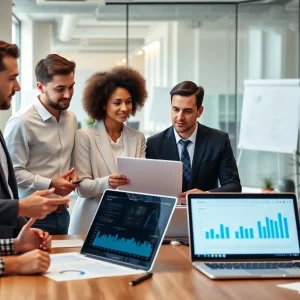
[(54, 223)]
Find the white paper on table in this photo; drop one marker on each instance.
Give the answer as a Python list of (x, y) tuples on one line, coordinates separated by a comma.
[(67, 243), (295, 286), (151, 176), (74, 266)]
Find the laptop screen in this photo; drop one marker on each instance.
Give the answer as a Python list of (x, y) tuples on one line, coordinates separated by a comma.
[(128, 228), (239, 225)]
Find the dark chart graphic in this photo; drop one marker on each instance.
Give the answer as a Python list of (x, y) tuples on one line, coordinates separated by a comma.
[(121, 244)]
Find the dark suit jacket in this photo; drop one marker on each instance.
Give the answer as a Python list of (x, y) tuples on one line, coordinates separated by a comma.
[(10, 224), (213, 158)]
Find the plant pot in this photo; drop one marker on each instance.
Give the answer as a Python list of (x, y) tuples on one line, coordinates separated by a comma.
[(267, 190)]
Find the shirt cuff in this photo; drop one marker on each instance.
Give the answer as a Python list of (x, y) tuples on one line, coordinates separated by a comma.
[(7, 246), (41, 183)]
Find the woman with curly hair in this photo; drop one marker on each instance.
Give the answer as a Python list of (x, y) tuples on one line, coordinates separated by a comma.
[(109, 98)]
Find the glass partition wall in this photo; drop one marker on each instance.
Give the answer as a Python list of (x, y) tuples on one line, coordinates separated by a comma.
[(218, 47)]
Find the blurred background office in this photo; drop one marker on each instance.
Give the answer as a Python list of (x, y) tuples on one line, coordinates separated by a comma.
[(217, 45)]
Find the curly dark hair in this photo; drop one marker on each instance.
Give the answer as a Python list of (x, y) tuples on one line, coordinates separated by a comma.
[(101, 85)]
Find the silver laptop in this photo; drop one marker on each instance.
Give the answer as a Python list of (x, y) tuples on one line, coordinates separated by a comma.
[(244, 235), (178, 227)]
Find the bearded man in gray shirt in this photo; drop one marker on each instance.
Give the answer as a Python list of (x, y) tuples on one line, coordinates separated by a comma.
[(40, 139)]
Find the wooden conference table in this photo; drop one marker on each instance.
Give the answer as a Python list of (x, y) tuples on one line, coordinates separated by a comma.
[(174, 278)]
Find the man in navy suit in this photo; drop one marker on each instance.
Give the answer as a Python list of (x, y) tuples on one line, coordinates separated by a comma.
[(206, 153)]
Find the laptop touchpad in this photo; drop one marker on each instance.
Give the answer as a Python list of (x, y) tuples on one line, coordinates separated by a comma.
[(262, 271)]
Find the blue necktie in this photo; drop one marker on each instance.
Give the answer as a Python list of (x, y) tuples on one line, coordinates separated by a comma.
[(187, 170)]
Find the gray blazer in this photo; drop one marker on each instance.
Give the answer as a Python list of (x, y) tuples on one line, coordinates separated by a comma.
[(95, 161), (10, 224)]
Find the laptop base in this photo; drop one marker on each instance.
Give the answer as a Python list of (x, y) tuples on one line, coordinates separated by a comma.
[(246, 273)]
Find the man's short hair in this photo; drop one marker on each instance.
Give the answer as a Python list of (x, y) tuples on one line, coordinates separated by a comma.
[(7, 49), (51, 65), (189, 88)]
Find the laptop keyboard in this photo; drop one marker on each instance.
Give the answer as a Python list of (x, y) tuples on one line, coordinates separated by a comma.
[(253, 266)]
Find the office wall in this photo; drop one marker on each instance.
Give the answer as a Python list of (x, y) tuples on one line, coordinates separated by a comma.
[(5, 35)]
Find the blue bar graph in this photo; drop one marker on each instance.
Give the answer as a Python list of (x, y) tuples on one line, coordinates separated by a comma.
[(286, 228), (121, 244), (266, 229), (272, 229), (227, 233), (280, 226), (265, 232), (224, 233), (246, 234), (251, 233), (276, 230), (241, 232), (259, 229)]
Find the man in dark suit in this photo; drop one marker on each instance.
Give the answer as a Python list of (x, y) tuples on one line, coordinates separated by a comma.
[(11, 209), (206, 153)]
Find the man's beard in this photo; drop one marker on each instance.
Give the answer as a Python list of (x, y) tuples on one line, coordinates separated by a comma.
[(5, 106), (56, 105)]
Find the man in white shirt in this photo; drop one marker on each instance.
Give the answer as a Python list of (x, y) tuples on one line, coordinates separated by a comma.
[(40, 139)]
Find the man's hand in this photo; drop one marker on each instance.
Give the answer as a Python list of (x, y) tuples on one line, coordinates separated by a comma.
[(38, 206), (115, 180), (32, 238), (73, 177), (182, 196), (62, 185), (33, 262)]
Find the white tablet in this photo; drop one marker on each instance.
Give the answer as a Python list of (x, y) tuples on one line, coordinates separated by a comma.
[(161, 177)]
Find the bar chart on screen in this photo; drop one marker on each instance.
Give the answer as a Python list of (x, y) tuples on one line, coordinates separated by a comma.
[(272, 229), (238, 226)]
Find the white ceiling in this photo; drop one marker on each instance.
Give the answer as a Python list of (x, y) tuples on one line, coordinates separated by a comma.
[(99, 27)]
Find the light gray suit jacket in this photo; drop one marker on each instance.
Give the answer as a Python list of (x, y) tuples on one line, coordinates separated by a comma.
[(95, 161)]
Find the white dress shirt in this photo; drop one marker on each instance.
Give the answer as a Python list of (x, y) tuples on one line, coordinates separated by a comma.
[(190, 147), (39, 146), (3, 162), (117, 147)]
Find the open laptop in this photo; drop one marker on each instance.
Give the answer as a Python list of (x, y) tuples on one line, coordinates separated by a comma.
[(178, 227), (244, 235), (124, 237)]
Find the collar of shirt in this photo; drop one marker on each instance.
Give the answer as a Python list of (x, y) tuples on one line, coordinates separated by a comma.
[(192, 137), (45, 114)]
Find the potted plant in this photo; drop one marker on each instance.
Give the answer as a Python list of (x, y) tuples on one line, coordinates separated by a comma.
[(89, 122), (268, 185)]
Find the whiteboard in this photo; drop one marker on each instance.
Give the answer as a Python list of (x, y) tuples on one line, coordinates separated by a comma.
[(270, 115)]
